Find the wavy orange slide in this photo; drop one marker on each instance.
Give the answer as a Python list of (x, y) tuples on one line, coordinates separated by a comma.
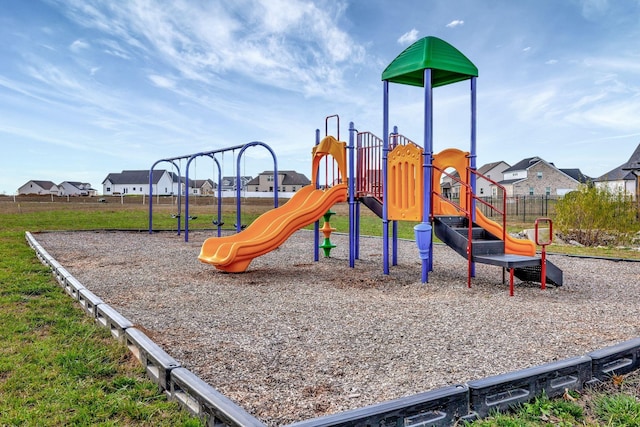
[(512, 245), (234, 253)]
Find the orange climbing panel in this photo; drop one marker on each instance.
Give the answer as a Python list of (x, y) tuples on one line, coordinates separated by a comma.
[(405, 178)]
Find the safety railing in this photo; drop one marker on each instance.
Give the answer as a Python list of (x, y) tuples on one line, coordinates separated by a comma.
[(502, 213), (369, 165), (368, 174)]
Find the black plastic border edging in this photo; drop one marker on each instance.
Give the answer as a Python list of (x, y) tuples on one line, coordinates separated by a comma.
[(440, 407), (178, 383)]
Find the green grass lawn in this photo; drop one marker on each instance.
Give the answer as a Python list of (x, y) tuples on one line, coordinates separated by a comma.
[(57, 367)]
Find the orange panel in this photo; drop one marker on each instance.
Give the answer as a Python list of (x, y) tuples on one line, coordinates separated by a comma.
[(449, 158), (329, 146), (405, 185)]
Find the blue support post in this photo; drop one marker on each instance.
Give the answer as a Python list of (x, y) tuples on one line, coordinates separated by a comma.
[(394, 228), (427, 167), (472, 159), (351, 183), (385, 207), (316, 225), (151, 198)]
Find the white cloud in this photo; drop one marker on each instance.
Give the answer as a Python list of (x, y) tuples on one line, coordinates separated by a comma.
[(78, 45), (617, 116), (408, 37), (294, 44), (526, 49), (551, 62), (52, 76), (163, 82), (113, 48), (455, 23)]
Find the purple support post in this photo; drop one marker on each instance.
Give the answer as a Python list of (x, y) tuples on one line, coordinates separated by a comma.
[(427, 167), (472, 160), (394, 228), (385, 149), (219, 220), (356, 176), (151, 198), (316, 225), (351, 176), (179, 198), (186, 197)]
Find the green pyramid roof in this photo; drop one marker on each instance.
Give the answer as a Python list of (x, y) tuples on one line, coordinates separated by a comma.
[(448, 64)]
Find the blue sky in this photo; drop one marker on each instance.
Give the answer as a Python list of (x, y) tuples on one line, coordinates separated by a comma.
[(91, 87)]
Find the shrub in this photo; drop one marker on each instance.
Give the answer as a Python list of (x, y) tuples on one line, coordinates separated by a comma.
[(596, 216)]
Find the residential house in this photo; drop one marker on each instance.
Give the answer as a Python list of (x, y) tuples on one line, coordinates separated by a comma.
[(75, 188), (534, 176), (624, 178), (137, 182), (39, 187), (288, 181), (450, 185), (229, 183), (200, 187), (495, 172)]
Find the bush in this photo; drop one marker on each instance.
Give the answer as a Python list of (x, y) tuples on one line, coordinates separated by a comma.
[(596, 216)]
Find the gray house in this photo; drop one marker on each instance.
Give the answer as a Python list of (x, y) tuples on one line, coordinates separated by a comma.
[(288, 181), (534, 176)]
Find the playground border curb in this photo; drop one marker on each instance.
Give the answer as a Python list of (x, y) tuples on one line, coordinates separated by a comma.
[(440, 407)]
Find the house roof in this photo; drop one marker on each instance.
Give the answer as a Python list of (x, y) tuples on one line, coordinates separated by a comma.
[(45, 185), (523, 164), (510, 181), (623, 172), (577, 175), (487, 167), (79, 185), (136, 177)]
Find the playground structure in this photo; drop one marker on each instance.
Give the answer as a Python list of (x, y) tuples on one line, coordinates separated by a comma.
[(399, 181)]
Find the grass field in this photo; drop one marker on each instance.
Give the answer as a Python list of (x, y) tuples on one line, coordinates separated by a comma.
[(58, 368)]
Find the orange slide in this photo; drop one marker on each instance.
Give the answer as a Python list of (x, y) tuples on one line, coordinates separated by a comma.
[(234, 253), (512, 245)]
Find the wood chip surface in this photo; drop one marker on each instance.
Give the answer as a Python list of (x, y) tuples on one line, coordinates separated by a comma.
[(293, 339)]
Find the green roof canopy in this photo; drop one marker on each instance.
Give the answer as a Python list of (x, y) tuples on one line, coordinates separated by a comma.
[(448, 64)]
